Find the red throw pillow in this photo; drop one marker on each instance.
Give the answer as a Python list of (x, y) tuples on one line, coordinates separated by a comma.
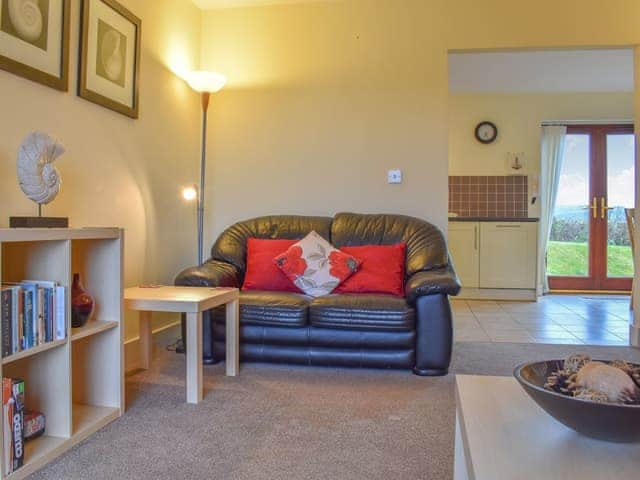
[(262, 273), (381, 270)]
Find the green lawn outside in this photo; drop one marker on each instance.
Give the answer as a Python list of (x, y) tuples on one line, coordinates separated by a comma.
[(571, 259)]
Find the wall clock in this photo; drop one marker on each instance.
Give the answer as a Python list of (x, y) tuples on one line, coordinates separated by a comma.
[(486, 132)]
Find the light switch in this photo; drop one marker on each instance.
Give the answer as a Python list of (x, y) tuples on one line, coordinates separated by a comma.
[(394, 176)]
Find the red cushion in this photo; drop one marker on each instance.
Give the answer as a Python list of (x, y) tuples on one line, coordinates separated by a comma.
[(262, 273), (381, 270)]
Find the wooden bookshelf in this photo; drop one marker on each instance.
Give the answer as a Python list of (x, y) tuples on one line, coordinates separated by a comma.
[(32, 351), (77, 382), (91, 328)]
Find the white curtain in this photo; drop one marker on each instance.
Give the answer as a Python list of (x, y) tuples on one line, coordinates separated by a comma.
[(552, 148)]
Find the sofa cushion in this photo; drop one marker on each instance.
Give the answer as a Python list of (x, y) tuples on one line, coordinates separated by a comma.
[(274, 308), (362, 311), (262, 272), (381, 270), (315, 266), (426, 245)]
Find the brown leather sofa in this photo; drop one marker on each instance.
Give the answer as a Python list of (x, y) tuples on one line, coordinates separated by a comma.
[(356, 330)]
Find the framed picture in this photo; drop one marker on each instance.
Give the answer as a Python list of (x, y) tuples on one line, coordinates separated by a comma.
[(110, 56), (34, 40)]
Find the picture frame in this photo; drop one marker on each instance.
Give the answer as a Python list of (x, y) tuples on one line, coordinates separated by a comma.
[(109, 69), (34, 40)]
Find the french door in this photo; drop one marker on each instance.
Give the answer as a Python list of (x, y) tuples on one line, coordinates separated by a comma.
[(589, 247)]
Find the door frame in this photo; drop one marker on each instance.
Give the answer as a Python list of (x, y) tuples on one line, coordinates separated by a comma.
[(598, 231)]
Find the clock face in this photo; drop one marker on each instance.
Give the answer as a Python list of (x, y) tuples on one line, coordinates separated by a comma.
[(486, 132)]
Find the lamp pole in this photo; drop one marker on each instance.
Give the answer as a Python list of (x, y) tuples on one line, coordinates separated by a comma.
[(204, 83), (203, 167)]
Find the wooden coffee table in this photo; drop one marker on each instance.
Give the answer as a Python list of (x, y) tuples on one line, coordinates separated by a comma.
[(502, 434), (192, 301)]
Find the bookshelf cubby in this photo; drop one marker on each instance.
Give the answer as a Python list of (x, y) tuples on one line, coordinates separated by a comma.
[(77, 382)]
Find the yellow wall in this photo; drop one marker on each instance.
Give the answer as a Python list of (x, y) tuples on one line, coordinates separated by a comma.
[(118, 171), (324, 97)]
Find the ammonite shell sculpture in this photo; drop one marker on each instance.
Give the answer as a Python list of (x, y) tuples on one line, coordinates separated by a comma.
[(39, 179)]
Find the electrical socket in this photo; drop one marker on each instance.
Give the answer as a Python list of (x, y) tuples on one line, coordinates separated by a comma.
[(394, 176)]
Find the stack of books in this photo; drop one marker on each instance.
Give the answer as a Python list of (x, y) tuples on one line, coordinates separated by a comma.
[(32, 313), (13, 423)]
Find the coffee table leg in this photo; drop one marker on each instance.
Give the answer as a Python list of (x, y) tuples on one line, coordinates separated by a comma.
[(146, 340), (233, 339), (194, 357)]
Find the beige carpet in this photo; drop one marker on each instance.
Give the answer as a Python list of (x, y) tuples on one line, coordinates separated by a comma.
[(283, 422)]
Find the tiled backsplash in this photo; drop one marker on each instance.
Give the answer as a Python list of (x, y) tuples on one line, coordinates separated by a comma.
[(494, 196)]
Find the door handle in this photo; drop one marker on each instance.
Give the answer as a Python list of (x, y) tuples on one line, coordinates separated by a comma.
[(515, 225), (594, 207), (603, 208), (475, 237)]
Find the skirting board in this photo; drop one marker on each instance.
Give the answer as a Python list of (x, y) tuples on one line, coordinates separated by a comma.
[(513, 294), (162, 336)]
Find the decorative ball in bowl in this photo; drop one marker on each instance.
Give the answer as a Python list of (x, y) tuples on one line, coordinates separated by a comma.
[(597, 398)]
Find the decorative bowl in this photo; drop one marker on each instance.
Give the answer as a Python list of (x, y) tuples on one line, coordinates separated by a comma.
[(605, 421)]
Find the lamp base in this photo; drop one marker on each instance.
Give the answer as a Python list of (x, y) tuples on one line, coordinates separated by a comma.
[(39, 222)]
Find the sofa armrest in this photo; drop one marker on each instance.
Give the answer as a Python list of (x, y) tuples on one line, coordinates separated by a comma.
[(213, 273), (432, 282)]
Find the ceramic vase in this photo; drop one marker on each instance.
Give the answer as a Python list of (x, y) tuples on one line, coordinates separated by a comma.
[(82, 304)]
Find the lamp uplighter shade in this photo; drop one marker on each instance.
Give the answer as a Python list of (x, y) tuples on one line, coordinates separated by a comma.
[(203, 81)]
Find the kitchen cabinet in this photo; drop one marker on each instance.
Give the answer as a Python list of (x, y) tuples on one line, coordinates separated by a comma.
[(508, 254), (494, 256), (464, 238)]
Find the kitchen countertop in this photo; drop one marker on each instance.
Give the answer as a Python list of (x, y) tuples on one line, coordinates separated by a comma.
[(493, 219)]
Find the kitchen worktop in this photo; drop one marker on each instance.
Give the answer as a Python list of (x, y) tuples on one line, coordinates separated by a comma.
[(493, 219)]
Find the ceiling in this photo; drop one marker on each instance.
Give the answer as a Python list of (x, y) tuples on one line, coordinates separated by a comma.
[(542, 71), (212, 4)]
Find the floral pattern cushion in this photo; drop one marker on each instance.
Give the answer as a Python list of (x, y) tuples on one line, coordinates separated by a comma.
[(315, 266)]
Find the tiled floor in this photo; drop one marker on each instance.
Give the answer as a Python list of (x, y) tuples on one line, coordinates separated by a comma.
[(567, 319)]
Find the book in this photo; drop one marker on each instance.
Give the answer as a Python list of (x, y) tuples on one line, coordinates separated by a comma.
[(15, 314), (34, 424), (18, 423), (52, 300), (19, 322), (60, 310), (39, 326), (5, 317), (33, 313), (30, 314), (47, 295), (7, 430), (13, 423)]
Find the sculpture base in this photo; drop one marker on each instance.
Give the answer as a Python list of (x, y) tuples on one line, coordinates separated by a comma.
[(38, 222)]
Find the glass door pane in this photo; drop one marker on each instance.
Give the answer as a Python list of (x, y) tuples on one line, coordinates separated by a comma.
[(568, 252), (620, 195)]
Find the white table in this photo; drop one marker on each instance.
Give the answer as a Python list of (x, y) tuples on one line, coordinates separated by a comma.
[(502, 434), (192, 301)]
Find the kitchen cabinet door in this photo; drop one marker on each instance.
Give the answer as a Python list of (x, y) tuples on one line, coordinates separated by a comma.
[(508, 254), (464, 239)]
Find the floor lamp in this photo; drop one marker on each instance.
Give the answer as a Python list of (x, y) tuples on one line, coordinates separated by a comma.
[(205, 83)]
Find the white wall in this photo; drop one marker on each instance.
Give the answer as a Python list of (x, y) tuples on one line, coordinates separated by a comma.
[(518, 118)]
